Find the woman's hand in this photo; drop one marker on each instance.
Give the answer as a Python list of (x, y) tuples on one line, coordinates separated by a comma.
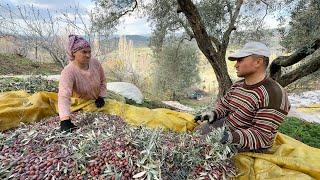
[(67, 126), (99, 102)]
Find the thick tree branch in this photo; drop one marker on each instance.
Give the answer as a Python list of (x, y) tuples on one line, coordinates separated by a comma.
[(129, 10), (229, 9), (199, 31), (285, 61), (298, 55), (312, 66)]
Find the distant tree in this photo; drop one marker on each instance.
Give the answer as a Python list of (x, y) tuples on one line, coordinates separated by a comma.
[(126, 50), (302, 37), (176, 69), (122, 68), (304, 25)]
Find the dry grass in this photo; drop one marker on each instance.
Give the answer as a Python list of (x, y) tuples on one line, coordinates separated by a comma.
[(15, 65)]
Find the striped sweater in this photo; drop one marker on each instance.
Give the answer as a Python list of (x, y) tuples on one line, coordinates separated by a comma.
[(253, 113)]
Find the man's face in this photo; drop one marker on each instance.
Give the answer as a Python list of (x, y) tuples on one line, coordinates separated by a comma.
[(246, 66), (83, 55)]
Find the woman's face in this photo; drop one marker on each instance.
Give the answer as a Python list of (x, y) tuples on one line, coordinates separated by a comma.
[(83, 56)]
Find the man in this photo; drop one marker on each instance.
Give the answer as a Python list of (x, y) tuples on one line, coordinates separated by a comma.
[(254, 107)]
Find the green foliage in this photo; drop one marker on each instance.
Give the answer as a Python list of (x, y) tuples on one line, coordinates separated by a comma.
[(214, 15), (176, 69), (304, 26), (303, 131), (31, 84), (165, 19), (107, 13), (35, 84)]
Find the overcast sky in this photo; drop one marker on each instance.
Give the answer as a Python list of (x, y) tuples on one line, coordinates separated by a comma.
[(130, 24)]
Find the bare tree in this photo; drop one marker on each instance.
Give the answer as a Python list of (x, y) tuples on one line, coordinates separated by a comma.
[(34, 29), (38, 29)]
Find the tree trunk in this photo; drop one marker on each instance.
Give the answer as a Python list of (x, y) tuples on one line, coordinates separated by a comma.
[(36, 52), (61, 62), (217, 62)]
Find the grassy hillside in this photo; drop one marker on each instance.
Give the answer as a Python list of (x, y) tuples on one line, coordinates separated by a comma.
[(16, 65)]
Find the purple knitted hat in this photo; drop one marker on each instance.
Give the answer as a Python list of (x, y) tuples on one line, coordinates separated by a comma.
[(75, 44)]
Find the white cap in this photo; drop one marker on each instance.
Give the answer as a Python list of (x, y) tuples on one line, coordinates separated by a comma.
[(251, 48)]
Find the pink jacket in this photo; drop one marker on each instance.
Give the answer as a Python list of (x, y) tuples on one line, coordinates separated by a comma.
[(85, 84)]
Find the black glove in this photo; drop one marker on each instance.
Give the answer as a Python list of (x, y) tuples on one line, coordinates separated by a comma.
[(224, 138), (206, 116), (67, 125), (100, 102)]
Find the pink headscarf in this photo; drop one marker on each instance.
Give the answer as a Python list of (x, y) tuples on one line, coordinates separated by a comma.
[(75, 44)]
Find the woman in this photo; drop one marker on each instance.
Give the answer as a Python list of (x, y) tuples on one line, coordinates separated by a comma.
[(83, 77)]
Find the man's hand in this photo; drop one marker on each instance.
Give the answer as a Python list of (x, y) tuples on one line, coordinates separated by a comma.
[(99, 102), (225, 137), (206, 116)]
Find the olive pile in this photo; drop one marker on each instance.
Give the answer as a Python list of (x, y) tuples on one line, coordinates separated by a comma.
[(105, 147)]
